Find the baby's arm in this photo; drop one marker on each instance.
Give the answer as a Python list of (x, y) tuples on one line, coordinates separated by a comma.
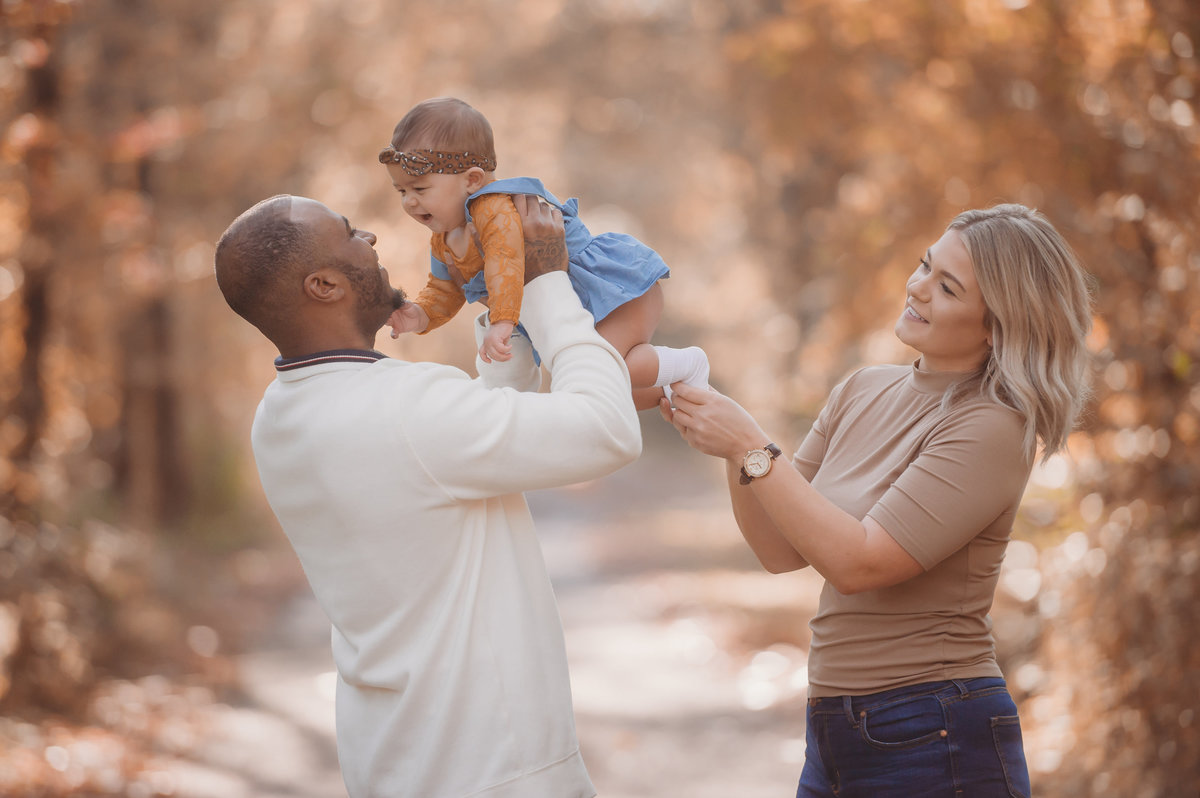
[(501, 243), (439, 300)]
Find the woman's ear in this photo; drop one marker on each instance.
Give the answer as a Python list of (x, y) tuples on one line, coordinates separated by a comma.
[(325, 285)]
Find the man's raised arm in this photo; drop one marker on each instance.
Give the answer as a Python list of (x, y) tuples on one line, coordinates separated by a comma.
[(584, 428)]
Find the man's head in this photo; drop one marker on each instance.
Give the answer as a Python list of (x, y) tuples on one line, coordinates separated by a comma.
[(304, 277)]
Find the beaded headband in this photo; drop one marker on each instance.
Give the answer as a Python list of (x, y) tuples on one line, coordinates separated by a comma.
[(422, 162)]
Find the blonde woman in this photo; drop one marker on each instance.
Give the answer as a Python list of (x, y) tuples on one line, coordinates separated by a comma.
[(903, 497)]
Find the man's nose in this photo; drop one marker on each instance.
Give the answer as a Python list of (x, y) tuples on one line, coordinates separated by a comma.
[(367, 236)]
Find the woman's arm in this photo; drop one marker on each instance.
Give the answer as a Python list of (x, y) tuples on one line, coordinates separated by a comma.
[(773, 550), (852, 555)]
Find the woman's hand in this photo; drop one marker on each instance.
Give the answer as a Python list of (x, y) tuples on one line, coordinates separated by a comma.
[(712, 423)]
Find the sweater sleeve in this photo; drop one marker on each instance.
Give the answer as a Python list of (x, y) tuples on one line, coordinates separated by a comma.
[(495, 441), (973, 468), (502, 243)]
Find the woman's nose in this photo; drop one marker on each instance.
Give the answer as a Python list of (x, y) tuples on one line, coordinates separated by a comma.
[(410, 200), (916, 285)]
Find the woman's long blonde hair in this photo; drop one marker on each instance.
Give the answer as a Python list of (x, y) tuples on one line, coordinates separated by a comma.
[(1039, 311)]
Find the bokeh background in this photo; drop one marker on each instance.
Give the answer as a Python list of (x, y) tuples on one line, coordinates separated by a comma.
[(790, 159)]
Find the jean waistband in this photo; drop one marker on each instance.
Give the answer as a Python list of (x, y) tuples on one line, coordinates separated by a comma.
[(961, 687)]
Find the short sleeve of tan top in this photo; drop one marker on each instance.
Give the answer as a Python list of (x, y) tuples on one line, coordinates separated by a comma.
[(498, 251), (946, 485)]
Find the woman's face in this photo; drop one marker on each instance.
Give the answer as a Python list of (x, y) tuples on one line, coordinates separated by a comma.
[(943, 317)]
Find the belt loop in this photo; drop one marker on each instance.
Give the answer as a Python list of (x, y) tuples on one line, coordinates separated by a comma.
[(848, 707), (962, 688)]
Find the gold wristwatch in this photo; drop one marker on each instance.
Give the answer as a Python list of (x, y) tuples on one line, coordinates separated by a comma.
[(757, 463)]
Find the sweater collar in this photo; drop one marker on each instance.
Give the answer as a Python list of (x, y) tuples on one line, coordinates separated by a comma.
[(367, 356), (936, 382)]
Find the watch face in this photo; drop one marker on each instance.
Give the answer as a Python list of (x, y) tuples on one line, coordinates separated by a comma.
[(757, 463)]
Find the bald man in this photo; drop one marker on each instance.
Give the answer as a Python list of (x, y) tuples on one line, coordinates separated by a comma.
[(399, 486)]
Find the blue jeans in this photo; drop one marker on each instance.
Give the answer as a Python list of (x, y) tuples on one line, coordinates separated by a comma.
[(958, 739)]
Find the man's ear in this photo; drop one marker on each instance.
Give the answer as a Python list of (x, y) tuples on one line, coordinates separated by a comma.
[(325, 285), (476, 179)]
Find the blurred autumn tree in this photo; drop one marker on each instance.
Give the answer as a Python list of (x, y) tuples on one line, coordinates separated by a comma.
[(791, 158), (103, 425)]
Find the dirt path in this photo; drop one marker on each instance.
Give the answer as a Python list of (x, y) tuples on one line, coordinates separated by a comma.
[(680, 685)]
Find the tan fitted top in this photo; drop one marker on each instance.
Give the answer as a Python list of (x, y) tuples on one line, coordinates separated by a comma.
[(945, 485)]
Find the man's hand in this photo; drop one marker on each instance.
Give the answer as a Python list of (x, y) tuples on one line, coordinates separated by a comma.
[(409, 317), (545, 236), (496, 345)]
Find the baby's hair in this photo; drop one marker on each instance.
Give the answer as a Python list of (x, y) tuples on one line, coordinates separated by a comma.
[(446, 124)]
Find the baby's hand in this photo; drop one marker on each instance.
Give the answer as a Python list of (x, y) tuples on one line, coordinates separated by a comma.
[(409, 317), (496, 344)]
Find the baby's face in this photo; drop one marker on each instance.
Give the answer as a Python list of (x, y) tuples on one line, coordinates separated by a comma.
[(436, 201)]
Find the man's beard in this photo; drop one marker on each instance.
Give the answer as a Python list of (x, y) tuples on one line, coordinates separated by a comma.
[(388, 301)]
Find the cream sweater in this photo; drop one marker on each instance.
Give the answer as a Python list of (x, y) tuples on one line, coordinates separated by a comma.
[(399, 485)]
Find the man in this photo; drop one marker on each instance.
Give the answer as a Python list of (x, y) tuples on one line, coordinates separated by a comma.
[(399, 485)]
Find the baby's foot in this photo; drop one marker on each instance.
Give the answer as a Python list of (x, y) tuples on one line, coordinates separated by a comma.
[(688, 365)]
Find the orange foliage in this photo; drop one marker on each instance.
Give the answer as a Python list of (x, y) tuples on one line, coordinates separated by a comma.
[(791, 161)]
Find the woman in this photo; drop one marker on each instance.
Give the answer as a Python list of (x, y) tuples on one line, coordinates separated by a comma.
[(903, 496)]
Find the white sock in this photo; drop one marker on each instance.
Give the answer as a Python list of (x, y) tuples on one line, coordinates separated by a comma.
[(688, 365)]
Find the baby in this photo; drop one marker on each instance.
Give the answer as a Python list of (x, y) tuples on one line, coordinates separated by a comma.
[(442, 160)]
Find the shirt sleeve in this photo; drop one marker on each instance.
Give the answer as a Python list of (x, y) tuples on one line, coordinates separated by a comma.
[(501, 240), (495, 441), (973, 469), (808, 457), (440, 299)]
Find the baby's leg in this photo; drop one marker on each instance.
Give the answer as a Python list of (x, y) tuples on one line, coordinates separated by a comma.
[(629, 329)]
